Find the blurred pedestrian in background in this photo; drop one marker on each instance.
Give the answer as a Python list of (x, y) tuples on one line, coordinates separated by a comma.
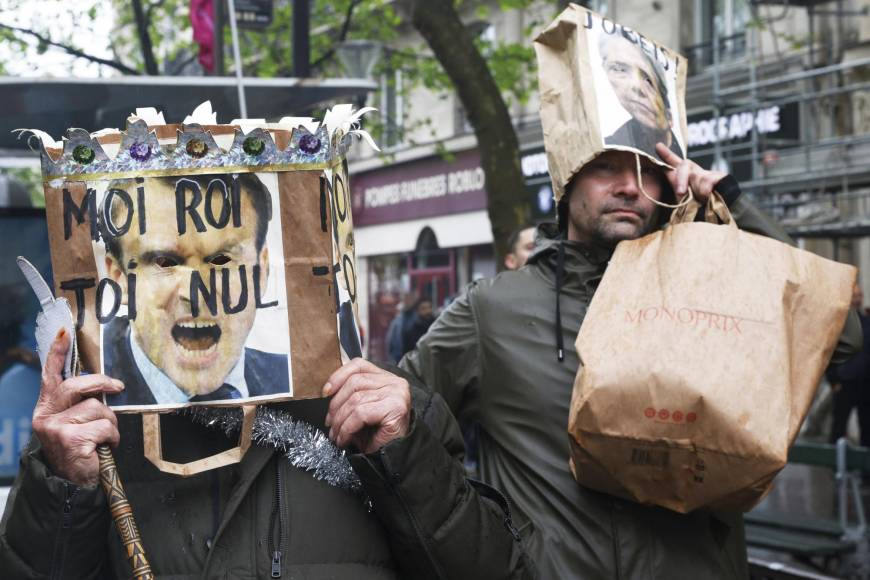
[(521, 244), (850, 383), (421, 318), (395, 345)]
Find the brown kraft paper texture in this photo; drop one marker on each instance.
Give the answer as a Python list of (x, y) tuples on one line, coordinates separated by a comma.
[(587, 104), (700, 354)]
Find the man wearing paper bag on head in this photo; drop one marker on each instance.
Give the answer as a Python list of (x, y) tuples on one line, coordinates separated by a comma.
[(169, 307), (503, 354)]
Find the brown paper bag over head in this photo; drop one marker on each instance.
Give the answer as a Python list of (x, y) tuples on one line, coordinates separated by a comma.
[(604, 86), (700, 355)]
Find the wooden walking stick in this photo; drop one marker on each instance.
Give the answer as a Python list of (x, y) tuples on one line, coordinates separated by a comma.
[(56, 315), (122, 514)]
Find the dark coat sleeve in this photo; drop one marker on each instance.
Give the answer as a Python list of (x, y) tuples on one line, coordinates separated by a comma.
[(447, 359), (441, 525), (52, 528), (750, 218)]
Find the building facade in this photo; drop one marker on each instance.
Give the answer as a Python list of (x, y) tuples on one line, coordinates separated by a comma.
[(777, 95)]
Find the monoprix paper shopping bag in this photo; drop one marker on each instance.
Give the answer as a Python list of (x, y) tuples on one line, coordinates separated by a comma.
[(700, 355)]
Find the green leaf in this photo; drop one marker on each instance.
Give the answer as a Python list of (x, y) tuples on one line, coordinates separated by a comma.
[(514, 4)]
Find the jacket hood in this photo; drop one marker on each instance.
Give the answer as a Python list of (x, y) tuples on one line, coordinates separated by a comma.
[(582, 262)]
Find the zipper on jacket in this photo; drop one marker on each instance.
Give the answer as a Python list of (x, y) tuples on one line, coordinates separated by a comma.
[(417, 528), (615, 529), (275, 547), (66, 521), (503, 501)]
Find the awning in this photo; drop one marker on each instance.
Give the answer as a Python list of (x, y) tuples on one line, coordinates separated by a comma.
[(451, 231), (53, 105)]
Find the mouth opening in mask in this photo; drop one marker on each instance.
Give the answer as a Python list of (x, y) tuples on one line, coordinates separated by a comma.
[(196, 336)]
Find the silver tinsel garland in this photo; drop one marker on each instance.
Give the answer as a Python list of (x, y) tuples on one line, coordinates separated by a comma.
[(307, 447)]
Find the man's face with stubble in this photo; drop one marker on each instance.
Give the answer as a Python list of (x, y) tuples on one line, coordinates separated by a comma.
[(605, 202), (196, 353)]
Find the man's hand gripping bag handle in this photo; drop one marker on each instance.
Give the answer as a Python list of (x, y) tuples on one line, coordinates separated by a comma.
[(685, 211)]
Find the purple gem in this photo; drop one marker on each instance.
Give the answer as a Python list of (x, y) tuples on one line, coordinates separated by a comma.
[(140, 151), (309, 144)]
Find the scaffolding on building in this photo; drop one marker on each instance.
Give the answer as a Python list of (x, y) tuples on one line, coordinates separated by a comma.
[(817, 180)]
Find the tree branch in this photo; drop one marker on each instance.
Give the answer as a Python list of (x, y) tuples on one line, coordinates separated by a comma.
[(72, 50), (342, 36), (150, 9), (145, 38)]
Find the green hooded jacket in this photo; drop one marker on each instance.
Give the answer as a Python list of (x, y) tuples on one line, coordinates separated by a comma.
[(263, 518), (492, 356)]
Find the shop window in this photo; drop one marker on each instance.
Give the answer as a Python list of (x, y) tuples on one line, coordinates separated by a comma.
[(461, 124), (725, 19), (428, 254), (432, 269), (392, 105)]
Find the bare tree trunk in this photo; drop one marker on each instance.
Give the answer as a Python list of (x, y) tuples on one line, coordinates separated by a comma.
[(144, 39), (508, 201)]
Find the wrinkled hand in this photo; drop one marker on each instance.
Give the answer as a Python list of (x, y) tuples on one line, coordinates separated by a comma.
[(70, 421), (687, 174), (370, 406)]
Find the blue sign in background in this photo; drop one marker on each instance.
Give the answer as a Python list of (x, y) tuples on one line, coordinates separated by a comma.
[(22, 233)]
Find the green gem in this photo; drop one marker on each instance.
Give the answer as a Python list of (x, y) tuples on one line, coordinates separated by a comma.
[(83, 154), (254, 146)]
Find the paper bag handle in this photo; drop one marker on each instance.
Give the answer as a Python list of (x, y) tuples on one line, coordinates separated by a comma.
[(716, 212), (154, 447), (688, 207), (690, 195)]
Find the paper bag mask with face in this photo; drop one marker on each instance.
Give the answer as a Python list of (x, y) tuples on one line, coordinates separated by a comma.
[(206, 263), (605, 86)]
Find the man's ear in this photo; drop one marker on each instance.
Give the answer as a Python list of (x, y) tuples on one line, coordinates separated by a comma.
[(510, 261), (117, 274)]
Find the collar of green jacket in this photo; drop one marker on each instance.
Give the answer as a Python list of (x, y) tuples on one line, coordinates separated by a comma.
[(583, 263)]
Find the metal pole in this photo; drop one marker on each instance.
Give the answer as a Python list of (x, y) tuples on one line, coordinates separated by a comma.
[(841, 477), (219, 19), (717, 108), (301, 39), (243, 105), (753, 38)]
